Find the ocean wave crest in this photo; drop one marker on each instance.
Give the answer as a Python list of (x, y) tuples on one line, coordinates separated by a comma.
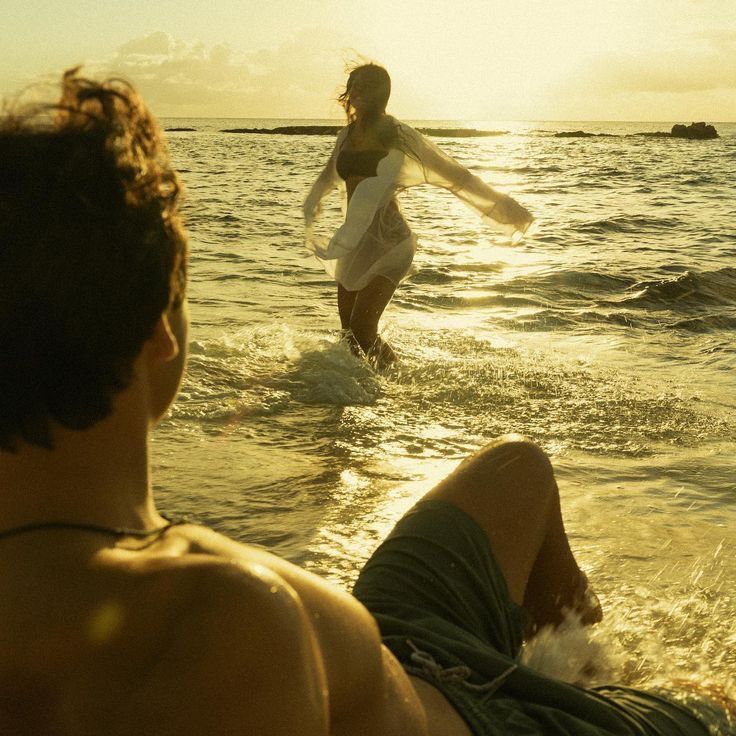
[(627, 224), (691, 288)]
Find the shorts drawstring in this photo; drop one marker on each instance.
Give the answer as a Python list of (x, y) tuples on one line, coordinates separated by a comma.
[(459, 674)]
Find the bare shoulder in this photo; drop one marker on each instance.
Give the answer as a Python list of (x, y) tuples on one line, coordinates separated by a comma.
[(229, 654), (367, 690), (196, 633), (232, 592), (189, 640)]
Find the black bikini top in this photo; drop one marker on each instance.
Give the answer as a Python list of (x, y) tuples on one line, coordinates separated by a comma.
[(358, 163)]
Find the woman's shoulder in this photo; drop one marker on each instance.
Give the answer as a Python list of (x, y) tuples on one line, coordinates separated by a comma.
[(405, 132), (407, 139), (390, 123), (398, 125), (391, 131)]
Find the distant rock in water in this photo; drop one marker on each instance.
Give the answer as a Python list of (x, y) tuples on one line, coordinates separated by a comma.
[(180, 130), (696, 131), (460, 132), (333, 129), (289, 130), (582, 134)]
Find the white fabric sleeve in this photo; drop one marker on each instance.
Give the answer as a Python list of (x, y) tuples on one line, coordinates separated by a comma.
[(325, 183), (440, 169)]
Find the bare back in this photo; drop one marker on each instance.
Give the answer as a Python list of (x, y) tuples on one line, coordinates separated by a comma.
[(193, 633)]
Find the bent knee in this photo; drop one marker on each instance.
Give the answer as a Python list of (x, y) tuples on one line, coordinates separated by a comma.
[(517, 453), (515, 461), (510, 477)]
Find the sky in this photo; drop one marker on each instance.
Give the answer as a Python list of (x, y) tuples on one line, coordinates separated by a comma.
[(485, 60)]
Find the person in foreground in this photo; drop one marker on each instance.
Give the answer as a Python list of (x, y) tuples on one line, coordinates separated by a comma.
[(376, 157), (117, 620)]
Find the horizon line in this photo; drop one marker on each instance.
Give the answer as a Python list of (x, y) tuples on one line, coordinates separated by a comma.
[(439, 120)]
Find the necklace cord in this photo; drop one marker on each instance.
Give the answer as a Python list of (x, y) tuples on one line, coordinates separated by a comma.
[(113, 531)]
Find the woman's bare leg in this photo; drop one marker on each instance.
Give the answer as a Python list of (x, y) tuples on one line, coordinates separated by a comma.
[(369, 304), (508, 487), (345, 303)]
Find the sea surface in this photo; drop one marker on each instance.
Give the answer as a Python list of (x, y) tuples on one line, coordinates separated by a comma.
[(607, 336)]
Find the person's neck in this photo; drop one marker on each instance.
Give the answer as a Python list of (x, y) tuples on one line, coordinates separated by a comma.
[(97, 476), (364, 123)]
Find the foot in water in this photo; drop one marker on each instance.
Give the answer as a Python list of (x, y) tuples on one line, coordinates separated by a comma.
[(565, 648), (380, 354), (586, 603)]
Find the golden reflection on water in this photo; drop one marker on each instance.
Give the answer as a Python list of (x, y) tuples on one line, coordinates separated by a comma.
[(509, 261), (364, 509), (351, 482)]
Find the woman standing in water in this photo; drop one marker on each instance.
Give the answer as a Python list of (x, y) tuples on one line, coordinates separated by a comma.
[(376, 157)]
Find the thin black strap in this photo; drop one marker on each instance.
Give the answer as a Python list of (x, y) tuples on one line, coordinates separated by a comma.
[(96, 528)]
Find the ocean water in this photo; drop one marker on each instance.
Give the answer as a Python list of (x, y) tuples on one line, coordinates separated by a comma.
[(607, 336)]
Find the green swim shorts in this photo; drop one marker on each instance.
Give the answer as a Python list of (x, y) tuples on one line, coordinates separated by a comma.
[(443, 608)]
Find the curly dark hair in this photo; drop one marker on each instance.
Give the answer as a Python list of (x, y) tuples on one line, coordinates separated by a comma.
[(92, 251)]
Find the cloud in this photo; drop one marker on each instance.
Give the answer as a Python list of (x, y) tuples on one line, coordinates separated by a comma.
[(188, 78), (154, 44)]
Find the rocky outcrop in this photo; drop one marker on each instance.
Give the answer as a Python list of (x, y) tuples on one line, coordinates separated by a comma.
[(289, 130), (333, 129), (460, 132), (696, 131), (581, 134)]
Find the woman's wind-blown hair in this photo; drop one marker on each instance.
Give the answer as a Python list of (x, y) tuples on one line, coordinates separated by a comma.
[(372, 78)]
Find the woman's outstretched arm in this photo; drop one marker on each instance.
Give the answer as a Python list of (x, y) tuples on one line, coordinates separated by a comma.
[(440, 169)]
